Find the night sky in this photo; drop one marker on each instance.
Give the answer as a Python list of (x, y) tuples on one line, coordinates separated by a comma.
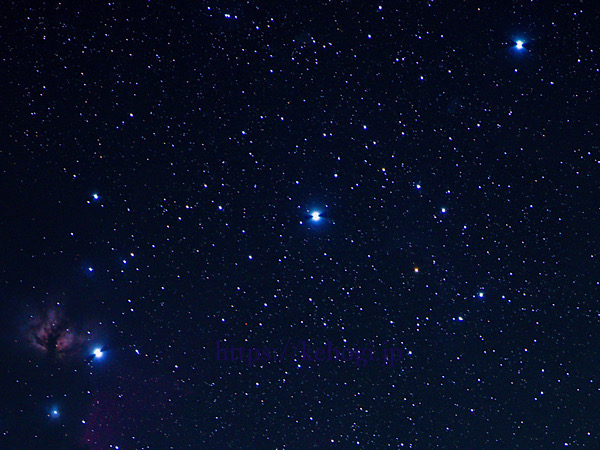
[(304, 224)]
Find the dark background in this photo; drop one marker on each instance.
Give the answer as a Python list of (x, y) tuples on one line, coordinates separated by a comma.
[(210, 131)]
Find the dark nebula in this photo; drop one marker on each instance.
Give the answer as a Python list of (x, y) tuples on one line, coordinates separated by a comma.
[(51, 333)]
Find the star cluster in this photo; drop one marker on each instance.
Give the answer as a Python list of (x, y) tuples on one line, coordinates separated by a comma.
[(420, 181)]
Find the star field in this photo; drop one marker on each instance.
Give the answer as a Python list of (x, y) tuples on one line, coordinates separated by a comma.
[(300, 225)]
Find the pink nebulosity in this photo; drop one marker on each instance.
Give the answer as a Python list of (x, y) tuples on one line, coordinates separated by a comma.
[(50, 332)]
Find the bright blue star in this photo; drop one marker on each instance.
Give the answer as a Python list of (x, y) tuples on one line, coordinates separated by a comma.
[(96, 197), (98, 353), (316, 216), (519, 45), (90, 269), (480, 294), (443, 210)]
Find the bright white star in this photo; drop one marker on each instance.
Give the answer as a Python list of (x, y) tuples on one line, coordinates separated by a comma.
[(519, 45), (98, 353), (315, 216)]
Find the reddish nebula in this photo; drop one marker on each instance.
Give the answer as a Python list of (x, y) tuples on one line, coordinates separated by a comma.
[(51, 333)]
